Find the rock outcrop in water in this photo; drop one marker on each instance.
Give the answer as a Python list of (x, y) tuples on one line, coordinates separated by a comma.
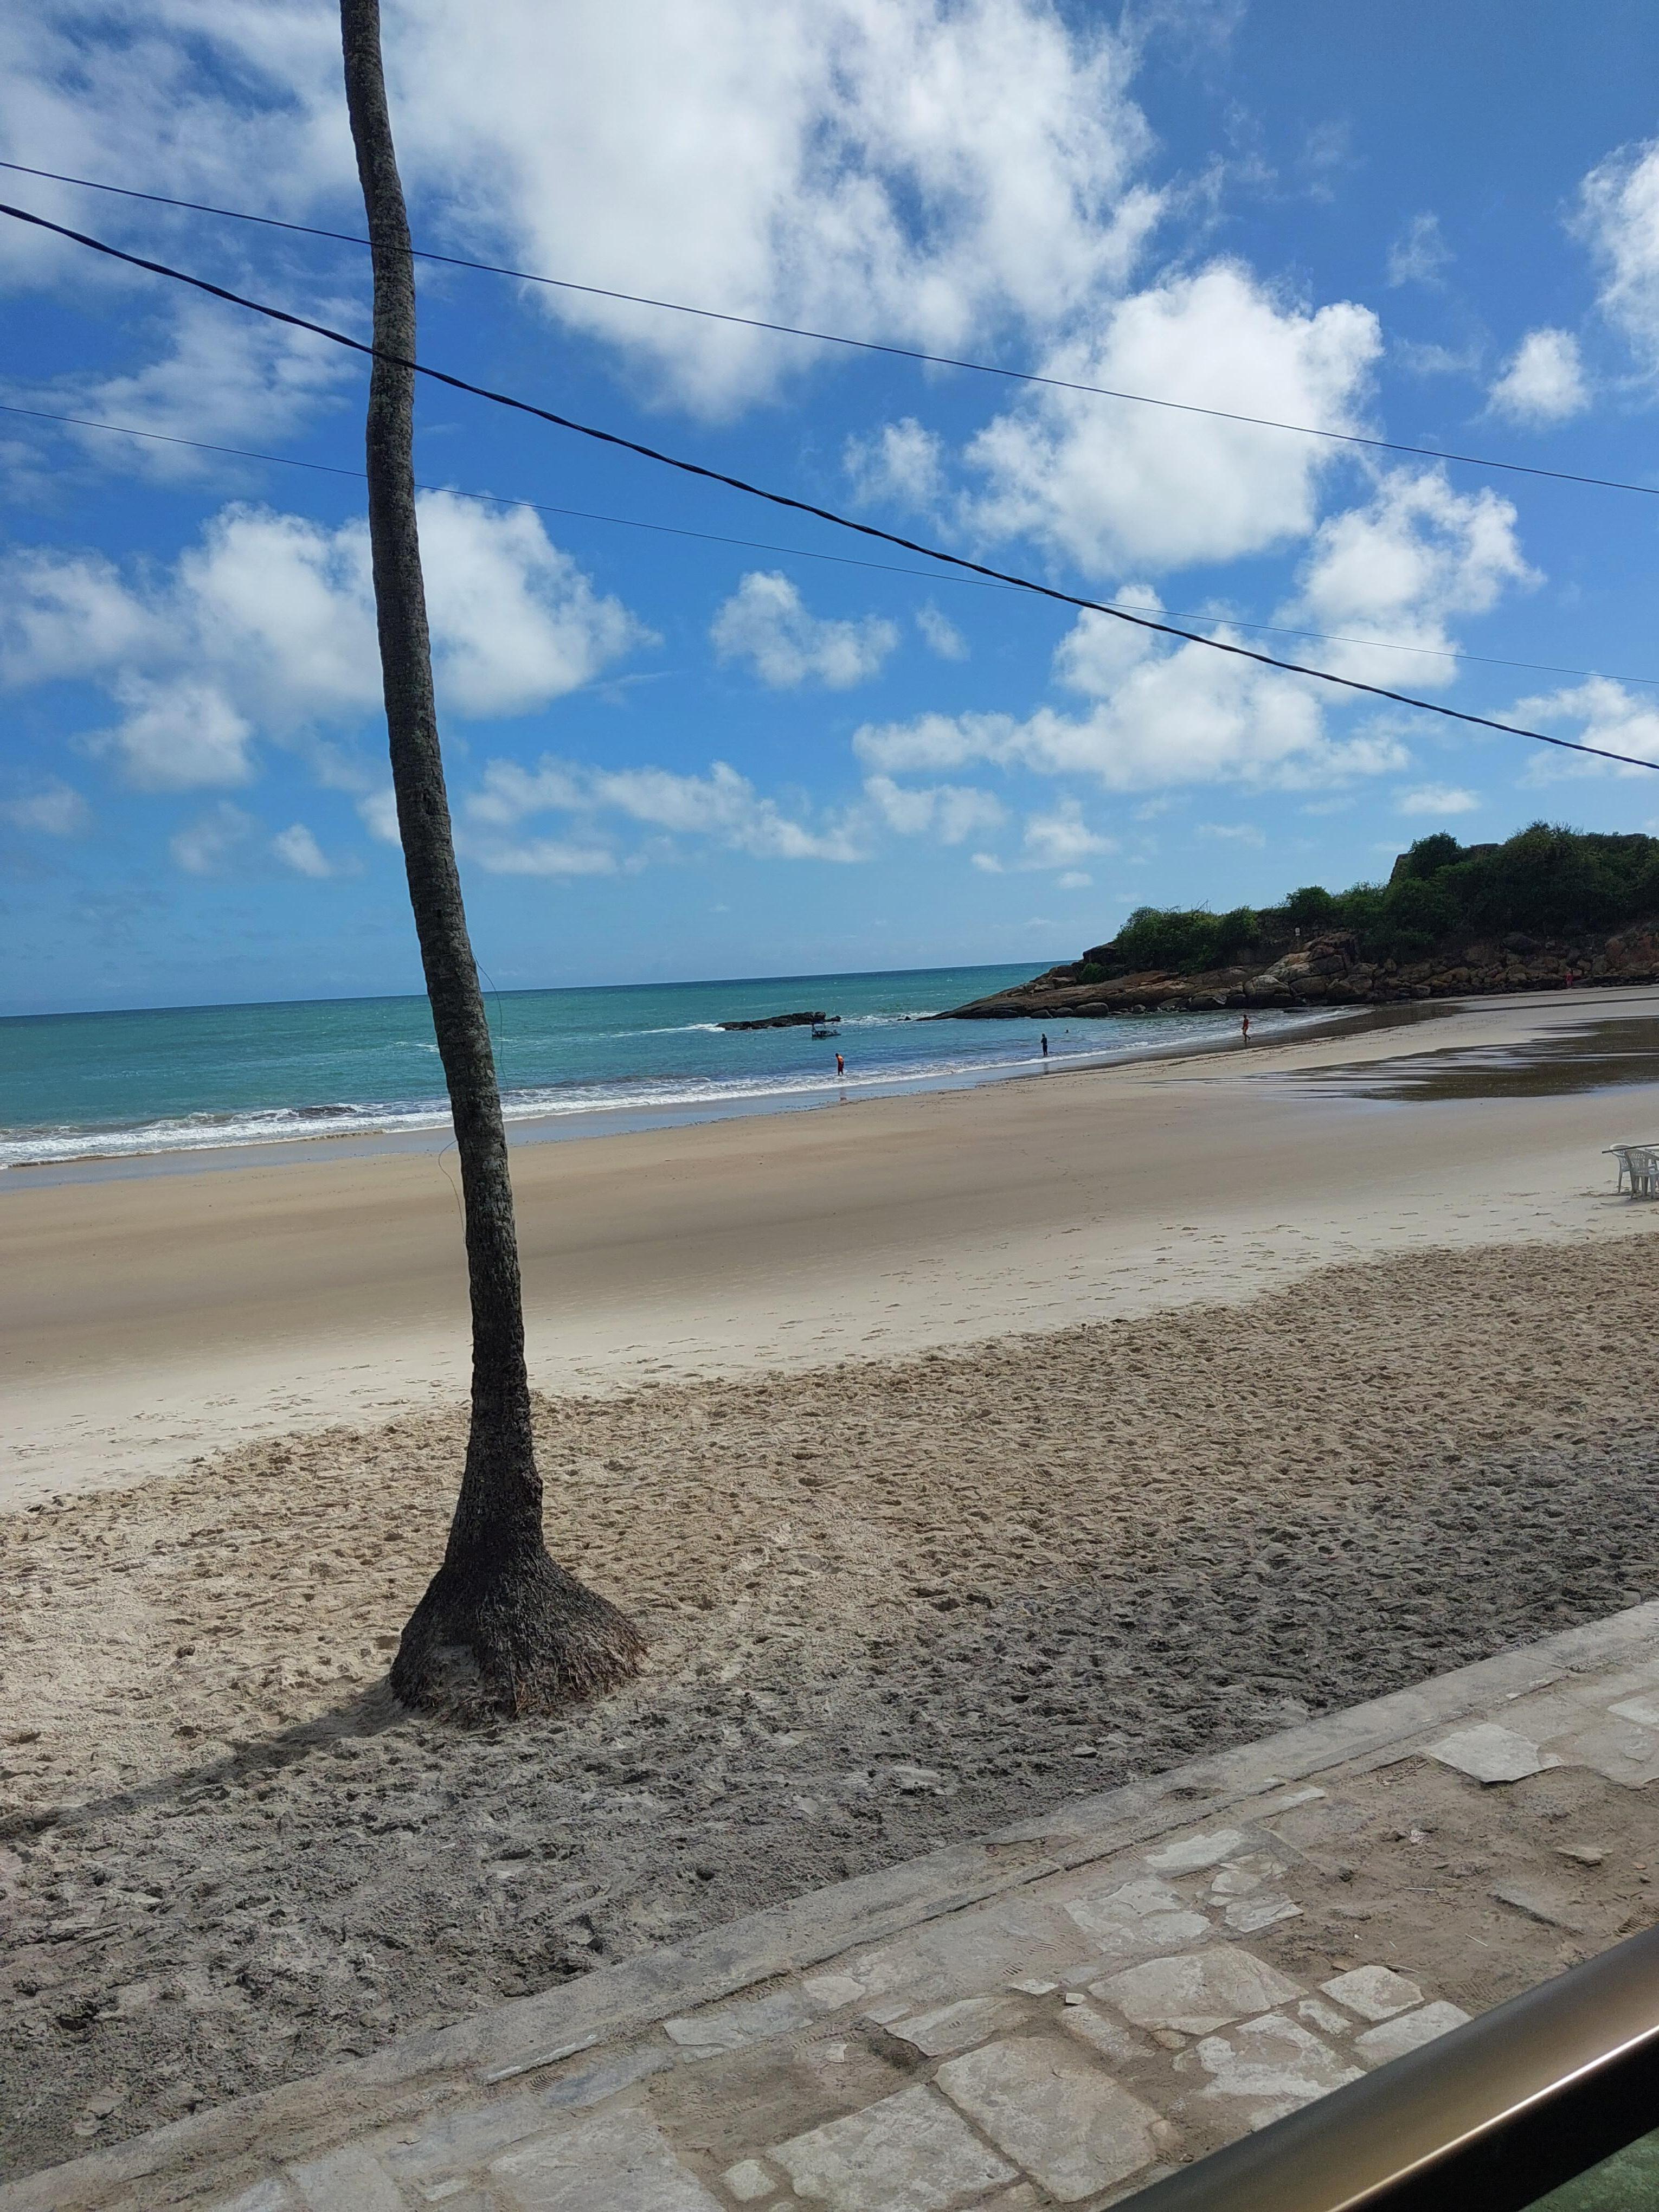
[(784, 1022), (1443, 927)]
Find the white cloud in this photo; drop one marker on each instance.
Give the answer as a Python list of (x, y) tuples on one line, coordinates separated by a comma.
[(901, 462), (1111, 486), (941, 635), (1235, 833), (950, 812), (766, 624), (1599, 712), (208, 846), (917, 171), (1400, 567), (225, 375), (904, 169), (379, 811), (508, 792), (266, 626), (1619, 215), (298, 849), (1438, 798), (722, 805), (1099, 650), (1187, 715), (540, 856), (56, 809), (1544, 382), (1074, 880), (1061, 839), (1420, 253), (181, 734), (65, 616), (516, 623)]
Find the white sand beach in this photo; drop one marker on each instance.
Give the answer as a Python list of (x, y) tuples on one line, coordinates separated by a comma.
[(153, 1316), (954, 1453)]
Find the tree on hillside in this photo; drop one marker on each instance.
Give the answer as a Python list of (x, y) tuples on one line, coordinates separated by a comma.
[(501, 1628)]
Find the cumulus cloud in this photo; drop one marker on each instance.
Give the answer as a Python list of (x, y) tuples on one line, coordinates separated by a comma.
[(56, 809), (266, 626), (1420, 254), (906, 169), (766, 624), (901, 462), (723, 806), (1061, 837), (223, 376), (948, 812), (1438, 798), (1402, 567), (1598, 712), (1619, 216), (1165, 718), (209, 845), (918, 171), (378, 811), (1111, 486), (1232, 833), (941, 635), (1544, 381), (297, 848), (177, 735)]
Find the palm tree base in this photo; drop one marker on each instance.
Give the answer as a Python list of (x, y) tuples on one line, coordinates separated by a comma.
[(496, 1642)]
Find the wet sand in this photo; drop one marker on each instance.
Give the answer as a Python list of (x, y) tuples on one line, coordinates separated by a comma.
[(147, 1319)]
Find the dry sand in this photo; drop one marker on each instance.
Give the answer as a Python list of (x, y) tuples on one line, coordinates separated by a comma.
[(890, 1605), (891, 1601), (148, 1317)]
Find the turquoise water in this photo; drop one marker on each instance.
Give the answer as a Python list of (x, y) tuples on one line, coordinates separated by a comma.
[(78, 1086)]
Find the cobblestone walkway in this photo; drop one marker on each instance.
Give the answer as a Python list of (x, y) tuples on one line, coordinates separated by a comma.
[(1055, 2015)]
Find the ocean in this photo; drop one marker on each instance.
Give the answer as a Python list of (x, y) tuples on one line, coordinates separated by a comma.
[(572, 1062)]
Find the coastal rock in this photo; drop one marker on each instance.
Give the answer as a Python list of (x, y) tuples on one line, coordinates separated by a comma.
[(1328, 971), (784, 1022)]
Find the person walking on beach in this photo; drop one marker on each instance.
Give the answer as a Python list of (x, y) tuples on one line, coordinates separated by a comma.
[(1044, 1041), (841, 1065), (1244, 1028)]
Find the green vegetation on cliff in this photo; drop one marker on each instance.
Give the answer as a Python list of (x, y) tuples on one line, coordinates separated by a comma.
[(1544, 882)]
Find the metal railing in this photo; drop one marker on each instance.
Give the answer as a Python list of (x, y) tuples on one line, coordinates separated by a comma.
[(1488, 2119)]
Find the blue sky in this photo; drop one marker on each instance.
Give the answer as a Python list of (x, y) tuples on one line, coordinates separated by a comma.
[(671, 756)]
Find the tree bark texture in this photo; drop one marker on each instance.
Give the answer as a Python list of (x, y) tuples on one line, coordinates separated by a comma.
[(501, 1628)]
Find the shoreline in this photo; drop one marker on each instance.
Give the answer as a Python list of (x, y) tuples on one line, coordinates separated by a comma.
[(147, 1321), (567, 1124)]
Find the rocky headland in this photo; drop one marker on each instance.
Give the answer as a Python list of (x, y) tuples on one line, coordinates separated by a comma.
[(1329, 971), (1378, 944)]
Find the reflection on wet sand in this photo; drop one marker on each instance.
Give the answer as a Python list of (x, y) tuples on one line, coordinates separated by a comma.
[(1591, 1056)]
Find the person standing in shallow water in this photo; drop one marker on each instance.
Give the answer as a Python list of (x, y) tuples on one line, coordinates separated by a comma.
[(841, 1065), (1044, 1041), (1244, 1028)]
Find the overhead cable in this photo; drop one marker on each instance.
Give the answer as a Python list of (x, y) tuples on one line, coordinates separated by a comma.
[(859, 345), (802, 553), (805, 507)]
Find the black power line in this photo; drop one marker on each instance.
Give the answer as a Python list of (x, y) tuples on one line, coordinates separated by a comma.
[(801, 553), (805, 507), (837, 338)]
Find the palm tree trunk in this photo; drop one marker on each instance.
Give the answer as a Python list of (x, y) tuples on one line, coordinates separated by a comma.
[(501, 1628)]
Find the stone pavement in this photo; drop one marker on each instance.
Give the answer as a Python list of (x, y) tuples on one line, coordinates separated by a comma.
[(1055, 2015)]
